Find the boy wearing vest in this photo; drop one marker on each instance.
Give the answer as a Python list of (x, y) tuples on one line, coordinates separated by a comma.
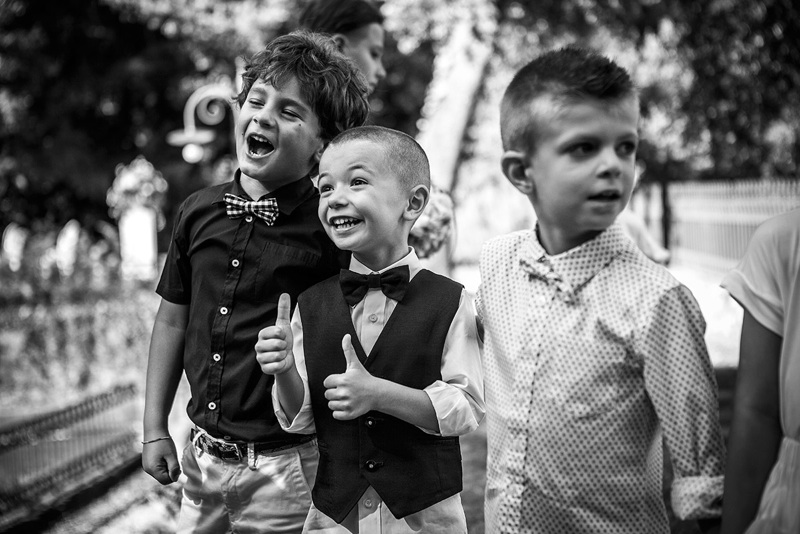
[(383, 359), (236, 247), (594, 354)]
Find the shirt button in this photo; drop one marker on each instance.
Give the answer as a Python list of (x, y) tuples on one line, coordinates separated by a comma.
[(235, 263), (368, 503), (373, 318), (223, 310), (212, 405), (217, 357), (249, 218), (370, 422), (226, 438)]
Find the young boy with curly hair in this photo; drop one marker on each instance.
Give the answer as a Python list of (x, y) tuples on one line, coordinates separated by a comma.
[(236, 247)]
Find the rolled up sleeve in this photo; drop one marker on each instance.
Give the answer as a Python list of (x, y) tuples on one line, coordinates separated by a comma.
[(680, 381), (303, 423), (458, 398)]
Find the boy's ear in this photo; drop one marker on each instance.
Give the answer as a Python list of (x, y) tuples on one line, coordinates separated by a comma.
[(417, 200), (513, 164), (340, 41), (316, 156), (323, 144)]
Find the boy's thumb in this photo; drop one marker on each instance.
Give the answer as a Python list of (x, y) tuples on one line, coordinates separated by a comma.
[(350, 356), (174, 469), (284, 310)]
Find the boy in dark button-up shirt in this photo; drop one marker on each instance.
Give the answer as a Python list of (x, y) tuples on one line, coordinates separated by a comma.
[(235, 248)]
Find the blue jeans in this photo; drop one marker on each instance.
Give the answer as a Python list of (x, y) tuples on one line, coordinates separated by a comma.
[(222, 496)]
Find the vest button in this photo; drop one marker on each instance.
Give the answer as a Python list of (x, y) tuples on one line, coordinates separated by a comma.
[(371, 465), (371, 422)]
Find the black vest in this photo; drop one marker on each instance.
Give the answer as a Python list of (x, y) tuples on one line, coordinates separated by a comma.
[(410, 470)]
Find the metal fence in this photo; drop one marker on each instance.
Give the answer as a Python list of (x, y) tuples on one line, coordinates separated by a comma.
[(48, 458), (710, 223)]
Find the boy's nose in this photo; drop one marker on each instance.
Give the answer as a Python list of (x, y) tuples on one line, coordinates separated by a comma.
[(336, 199), (263, 118), (610, 164)]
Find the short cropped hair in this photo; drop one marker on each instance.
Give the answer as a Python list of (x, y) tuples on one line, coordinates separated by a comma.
[(567, 75), (403, 154), (339, 16), (331, 84)]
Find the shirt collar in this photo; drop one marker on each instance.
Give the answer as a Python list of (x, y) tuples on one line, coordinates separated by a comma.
[(410, 259), (288, 196), (574, 268)]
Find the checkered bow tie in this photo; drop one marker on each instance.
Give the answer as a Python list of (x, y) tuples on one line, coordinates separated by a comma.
[(266, 208)]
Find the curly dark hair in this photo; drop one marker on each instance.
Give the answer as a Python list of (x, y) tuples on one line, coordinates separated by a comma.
[(331, 83)]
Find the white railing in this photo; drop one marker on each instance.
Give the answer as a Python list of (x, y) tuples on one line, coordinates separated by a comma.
[(712, 222)]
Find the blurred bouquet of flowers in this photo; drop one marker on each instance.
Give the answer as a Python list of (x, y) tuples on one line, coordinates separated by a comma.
[(434, 226), (137, 184)]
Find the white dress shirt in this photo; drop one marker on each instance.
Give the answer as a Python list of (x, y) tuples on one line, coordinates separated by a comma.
[(591, 357)]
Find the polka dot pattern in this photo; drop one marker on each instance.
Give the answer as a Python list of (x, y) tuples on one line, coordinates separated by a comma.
[(591, 358)]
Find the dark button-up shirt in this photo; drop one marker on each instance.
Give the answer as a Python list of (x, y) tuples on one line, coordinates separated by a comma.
[(230, 272)]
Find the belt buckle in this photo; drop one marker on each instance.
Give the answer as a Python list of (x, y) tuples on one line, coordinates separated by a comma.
[(229, 451)]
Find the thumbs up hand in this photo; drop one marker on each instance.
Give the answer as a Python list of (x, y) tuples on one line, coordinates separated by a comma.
[(352, 393), (274, 345)]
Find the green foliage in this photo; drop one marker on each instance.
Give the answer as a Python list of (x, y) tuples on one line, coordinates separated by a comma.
[(87, 84), (747, 61), (734, 97)]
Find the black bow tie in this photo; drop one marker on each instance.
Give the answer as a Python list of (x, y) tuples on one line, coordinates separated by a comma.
[(393, 283)]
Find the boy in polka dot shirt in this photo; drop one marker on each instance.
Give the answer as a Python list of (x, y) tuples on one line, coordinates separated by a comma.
[(594, 355)]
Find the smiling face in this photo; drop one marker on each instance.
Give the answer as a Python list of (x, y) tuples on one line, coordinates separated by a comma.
[(363, 206), (365, 47), (581, 172), (277, 135)]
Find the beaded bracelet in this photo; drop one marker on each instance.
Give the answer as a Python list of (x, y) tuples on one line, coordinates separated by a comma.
[(156, 439)]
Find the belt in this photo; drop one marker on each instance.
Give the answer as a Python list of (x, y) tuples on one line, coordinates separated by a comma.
[(236, 451)]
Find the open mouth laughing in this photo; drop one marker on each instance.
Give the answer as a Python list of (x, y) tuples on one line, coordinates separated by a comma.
[(258, 145), (341, 224)]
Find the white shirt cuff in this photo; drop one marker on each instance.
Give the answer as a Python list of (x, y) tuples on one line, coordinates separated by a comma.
[(304, 421), (456, 414), (697, 497)]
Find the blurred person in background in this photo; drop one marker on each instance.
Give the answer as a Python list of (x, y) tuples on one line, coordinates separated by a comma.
[(356, 27), (762, 489)]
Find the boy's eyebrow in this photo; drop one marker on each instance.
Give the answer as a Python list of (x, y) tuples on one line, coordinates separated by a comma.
[(357, 166), (283, 99), (256, 88), (579, 136)]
